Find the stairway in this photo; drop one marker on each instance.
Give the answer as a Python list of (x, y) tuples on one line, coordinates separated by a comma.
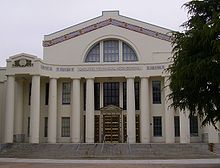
[(107, 151)]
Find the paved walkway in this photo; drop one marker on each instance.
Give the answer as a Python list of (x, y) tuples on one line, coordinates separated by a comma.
[(168, 161)]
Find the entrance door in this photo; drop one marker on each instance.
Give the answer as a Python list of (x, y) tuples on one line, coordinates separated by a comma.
[(111, 128)]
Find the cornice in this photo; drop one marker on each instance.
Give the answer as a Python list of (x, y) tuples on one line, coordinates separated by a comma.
[(114, 22)]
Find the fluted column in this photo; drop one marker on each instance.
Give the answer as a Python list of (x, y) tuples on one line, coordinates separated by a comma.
[(52, 111), (75, 122), (131, 125), (19, 137), (169, 114), (145, 111), (9, 115), (35, 109), (184, 127), (90, 110)]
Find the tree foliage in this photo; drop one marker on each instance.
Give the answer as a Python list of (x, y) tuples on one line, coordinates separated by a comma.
[(195, 68)]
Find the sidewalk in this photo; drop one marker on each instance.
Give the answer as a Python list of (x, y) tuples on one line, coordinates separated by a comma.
[(173, 161)]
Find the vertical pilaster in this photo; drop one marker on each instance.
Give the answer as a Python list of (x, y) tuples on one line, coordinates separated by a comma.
[(52, 112), (169, 114), (90, 110), (9, 115), (18, 111), (131, 111), (184, 127), (145, 111), (75, 122), (35, 109)]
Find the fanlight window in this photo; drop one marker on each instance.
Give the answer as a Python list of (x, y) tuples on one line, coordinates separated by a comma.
[(94, 54), (111, 51)]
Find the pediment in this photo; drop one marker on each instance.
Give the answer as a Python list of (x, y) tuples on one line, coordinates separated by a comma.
[(97, 24), (111, 108), (22, 60)]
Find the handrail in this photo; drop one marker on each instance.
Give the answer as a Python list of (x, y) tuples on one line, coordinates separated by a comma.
[(129, 147), (78, 146), (103, 142)]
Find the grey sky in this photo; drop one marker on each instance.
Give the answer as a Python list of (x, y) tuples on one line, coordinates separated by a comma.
[(23, 23)]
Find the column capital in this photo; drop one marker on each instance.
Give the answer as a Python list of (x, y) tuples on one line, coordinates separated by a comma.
[(145, 77), (129, 77), (75, 78)]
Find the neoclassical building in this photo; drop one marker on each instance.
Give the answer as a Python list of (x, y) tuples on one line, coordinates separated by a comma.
[(102, 80)]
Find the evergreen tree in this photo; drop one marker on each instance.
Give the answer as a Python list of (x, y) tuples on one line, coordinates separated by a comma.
[(195, 68)]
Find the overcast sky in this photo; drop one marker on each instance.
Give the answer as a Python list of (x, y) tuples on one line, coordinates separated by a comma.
[(23, 23)]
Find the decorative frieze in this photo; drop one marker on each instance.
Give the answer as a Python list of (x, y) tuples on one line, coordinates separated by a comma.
[(114, 22), (22, 63)]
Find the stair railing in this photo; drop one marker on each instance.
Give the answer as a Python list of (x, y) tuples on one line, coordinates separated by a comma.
[(103, 143), (129, 146)]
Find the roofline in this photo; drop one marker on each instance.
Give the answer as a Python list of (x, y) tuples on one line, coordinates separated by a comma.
[(103, 15)]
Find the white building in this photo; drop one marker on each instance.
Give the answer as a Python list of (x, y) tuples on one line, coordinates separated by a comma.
[(101, 80)]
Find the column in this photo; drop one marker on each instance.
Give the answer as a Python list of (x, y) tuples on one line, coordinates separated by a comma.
[(19, 137), (169, 114), (75, 115), (52, 111), (184, 127), (90, 110), (9, 112), (131, 111), (35, 110), (145, 111), (213, 136)]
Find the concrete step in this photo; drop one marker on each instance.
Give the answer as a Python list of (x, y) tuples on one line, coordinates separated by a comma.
[(110, 151)]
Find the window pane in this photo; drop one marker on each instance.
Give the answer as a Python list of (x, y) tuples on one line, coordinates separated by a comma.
[(94, 54), (124, 95), (111, 51), (65, 131), (111, 93), (156, 90), (46, 93), (177, 126), (193, 125), (66, 93), (157, 121), (45, 126), (97, 96), (137, 95), (128, 54)]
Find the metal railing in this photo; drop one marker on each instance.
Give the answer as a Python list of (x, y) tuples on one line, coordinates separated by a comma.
[(103, 143), (129, 146)]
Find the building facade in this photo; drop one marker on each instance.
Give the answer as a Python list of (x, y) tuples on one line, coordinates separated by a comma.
[(103, 80)]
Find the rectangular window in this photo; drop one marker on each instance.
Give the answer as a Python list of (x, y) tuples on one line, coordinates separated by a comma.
[(65, 130), (111, 51), (124, 95), (28, 127), (45, 126), (157, 122), (193, 120), (97, 96), (137, 95), (66, 93), (29, 96), (156, 90), (47, 94), (111, 93), (177, 126)]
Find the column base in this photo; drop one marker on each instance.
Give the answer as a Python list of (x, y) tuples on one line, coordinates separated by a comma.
[(19, 138)]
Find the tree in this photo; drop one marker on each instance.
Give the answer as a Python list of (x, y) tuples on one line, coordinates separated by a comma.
[(195, 67)]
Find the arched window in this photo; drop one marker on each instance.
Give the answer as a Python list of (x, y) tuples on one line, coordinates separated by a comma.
[(128, 53), (94, 54), (111, 50)]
